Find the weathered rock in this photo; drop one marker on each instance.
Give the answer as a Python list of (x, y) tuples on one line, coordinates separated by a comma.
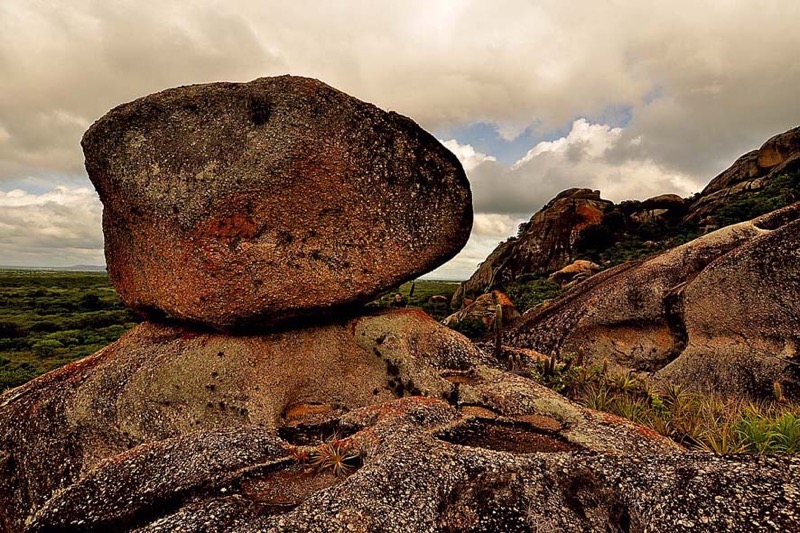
[(430, 466), (579, 269), (546, 244), (666, 201), (749, 173), (718, 313), (660, 209), (439, 299), (234, 204), (160, 382), (779, 149), (167, 424), (484, 308)]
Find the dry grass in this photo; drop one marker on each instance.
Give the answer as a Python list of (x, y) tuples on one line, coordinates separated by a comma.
[(696, 420)]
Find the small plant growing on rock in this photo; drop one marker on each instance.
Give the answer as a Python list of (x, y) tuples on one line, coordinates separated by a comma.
[(694, 419), (301, 454), (337, 457)]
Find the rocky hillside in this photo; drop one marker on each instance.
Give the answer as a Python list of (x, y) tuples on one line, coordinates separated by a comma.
[(719, 313), (579, 224), (258, 396), (755, 172), (545, 244)]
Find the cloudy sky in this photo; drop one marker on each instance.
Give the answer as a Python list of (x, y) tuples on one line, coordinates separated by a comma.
[(631, 97)]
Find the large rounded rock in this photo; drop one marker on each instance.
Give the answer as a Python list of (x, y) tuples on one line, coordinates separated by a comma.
[(232, 204), (719, 313)]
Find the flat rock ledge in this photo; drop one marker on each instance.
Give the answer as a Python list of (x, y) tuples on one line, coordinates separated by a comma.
[(207, 432)]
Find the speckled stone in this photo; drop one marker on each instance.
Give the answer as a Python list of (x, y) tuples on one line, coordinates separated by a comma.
[(718, 313), (240, 204)]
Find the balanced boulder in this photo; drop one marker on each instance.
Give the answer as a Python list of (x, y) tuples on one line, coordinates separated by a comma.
[(233, 204)]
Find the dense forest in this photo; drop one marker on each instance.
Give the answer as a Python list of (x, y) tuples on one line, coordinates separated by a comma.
[(48, 319)]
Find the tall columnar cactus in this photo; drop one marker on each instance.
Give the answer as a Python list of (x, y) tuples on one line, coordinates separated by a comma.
[(498, 330)]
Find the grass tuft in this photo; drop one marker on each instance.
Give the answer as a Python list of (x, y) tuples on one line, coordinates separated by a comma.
[(699, 421)]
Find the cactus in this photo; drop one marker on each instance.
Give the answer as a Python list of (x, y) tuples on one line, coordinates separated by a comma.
[(498, 330), (550, 365), (777, 391)]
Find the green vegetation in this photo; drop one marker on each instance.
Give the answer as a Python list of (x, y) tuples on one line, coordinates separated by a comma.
[(421, 296), (696, 420), (617, 240), (778, 192), (51, 318), (530, 290), (48, 319)]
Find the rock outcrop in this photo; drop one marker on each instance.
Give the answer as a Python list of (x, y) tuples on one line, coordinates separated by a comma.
[(167, 424), (575, 271), (368, 421), (748, 174), (546, 243), (578, 224), (242, 204), (718, 313), (484, 309), (503, 455)]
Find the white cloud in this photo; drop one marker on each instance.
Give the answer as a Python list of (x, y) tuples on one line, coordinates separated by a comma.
[(468, 156), (495, 225), (594, 156), (487, 231), (702, 81), (60, 227), (705, 80)]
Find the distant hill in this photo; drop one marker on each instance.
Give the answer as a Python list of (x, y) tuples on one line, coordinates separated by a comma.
[(73, 268)]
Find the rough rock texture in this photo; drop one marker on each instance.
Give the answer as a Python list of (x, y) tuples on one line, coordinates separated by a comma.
[(484, 308), (232, 204), (543, 465), (546, 244), (720, 312), (657, 209), (749, 173), (575, 271), (174, 430)]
